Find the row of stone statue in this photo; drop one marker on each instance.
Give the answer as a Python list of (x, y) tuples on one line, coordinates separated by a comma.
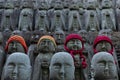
[(75, 60), (66, 15)]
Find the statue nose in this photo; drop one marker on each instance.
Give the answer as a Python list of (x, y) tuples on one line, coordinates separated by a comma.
[(106, 67), (15, 71), (62, 70)]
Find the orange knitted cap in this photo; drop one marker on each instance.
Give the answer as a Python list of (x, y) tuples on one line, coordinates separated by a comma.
[(20, 39), (47, 37)]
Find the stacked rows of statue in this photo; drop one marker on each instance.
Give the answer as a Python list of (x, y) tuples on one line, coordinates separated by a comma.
[(60, 57), (66, 15)]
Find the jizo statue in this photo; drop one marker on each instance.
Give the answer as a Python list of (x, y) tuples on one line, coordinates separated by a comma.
[(74, 45), (17, 67), (91, 16), (74, 22), (62, 67), (108, 15), (58, 22), (41, 18), (26, 17), (7, 22), (46, 48), (103, 67)]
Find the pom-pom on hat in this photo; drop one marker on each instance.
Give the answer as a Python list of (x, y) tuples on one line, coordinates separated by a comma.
[(20, 39), (47, 37), (102, 38)]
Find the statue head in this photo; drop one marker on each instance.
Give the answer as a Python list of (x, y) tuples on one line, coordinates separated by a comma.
[(83, 34), (106, 32), (46, 44), (91, 4), (43, 4), (74, 42), (62, 67), (16, 44), (9, 5), (17, 67), (59, 36), (107, 4), (103, 67), (102, 43), (58, 4)]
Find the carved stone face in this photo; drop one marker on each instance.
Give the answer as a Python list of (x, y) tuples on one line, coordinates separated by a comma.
[(62, 67), (59, 37), (46, 45), (103, 46), (107, 3), (17, 67), (74, 44), (103, 66), (15, 46)]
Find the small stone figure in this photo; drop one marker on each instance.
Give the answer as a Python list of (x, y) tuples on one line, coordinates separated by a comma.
[(58, 22), (62, 67), (91, 16), (103, 67), (59, 38), (26, 17), (46, 48), (2, 3), (41, 18), (17, 67), (7, 22), (74, 45), (74, 22), (16, 44), (107, 15)]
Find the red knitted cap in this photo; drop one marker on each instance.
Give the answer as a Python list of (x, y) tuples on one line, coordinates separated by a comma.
[(102, 38), (16, 38)]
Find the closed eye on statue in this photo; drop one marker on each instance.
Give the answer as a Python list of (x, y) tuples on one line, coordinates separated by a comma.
[(57, 65)]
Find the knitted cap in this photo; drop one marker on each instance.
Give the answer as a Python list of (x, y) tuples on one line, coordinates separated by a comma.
[(73, 52), (47, 37), (20, 39), (102, 38)]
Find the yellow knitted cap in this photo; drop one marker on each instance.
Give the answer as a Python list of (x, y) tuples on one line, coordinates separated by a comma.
[(47, 37)]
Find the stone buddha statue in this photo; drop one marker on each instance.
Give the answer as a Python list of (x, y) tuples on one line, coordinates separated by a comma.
[(62, 67), (91, 16), (46, 48), (41, 17), (103, 67), (74, 45), (74, 22), (16, 44), (17, 67), (7, 22), (26, 16), (59, 38), (108, 15), (58, 22)]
